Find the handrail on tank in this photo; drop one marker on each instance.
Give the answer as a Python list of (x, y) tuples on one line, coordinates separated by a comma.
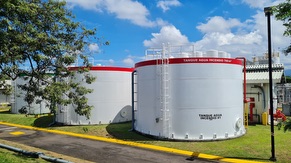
[(245, 82), (167, 51)]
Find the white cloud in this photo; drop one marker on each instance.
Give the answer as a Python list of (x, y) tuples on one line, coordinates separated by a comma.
[(260, 4), (286, 60), (234, 2), (129, 10), (160, 22), (128, 62), (166, 4), (111, 61), (86, 4), (219, 24), (277, 29), (217, 39), (168, 34), (104, 62), (94, 47), (133, 11), (257, 3), (238, 45), (241, 38)]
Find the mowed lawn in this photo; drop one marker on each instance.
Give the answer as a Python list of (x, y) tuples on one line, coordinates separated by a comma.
[(254, 145)]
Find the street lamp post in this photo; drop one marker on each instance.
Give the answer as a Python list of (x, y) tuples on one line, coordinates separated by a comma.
[(268, 13)]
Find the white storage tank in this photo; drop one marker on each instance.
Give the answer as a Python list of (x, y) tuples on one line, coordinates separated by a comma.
[(222, 54), (198, 54), (111, 97), (19, 105), (196, 99), (211, 53)]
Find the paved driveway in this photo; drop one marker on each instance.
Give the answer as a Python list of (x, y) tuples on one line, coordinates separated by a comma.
[(91, 150)]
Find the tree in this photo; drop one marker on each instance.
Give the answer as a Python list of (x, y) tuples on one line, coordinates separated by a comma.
[(43, 35), (283, 12), (285, 124)]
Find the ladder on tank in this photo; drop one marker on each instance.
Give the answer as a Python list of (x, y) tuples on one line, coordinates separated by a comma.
[(134, 87), (164, 91)]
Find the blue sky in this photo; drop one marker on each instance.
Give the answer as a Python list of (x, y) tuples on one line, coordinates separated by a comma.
[(235, 26)]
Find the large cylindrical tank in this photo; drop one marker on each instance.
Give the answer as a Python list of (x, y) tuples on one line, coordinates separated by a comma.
[(211, 53), (19, 105), (111, 97), (195, 99)]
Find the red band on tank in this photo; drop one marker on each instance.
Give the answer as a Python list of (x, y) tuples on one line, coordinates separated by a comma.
[(190, 60), (105, 68)]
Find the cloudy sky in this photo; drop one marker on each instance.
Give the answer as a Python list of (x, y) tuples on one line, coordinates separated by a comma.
[(235, 26)]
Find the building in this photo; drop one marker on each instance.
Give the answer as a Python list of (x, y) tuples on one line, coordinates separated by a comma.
[(257, 78), (284, 97)]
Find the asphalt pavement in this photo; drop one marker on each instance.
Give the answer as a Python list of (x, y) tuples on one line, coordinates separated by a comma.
[(100, 150)]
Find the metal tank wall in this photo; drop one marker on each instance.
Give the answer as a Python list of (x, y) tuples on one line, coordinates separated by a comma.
[(18, 102), (111, 98), (190, 98)]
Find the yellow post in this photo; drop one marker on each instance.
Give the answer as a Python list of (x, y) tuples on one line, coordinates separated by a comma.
[(246, 110), (265, 118)]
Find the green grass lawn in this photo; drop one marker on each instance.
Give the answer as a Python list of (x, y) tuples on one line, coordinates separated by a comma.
[(254, 145), (7, 156)]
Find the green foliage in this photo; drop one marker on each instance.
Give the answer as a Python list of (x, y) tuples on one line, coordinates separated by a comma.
[(43, 35), (7, 89), (286, 124), (283, 12)]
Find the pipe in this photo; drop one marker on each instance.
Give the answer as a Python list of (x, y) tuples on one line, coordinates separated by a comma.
[(34, 154), (245, 78), (258, 117), (132, 100), (52, 159), (26, 153), (253, 93), (263, 93), (245, 93)]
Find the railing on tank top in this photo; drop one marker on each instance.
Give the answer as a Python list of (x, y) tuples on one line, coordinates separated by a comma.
[(170, 51)]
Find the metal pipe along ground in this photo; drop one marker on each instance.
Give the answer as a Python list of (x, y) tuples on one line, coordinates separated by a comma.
[(34, 154)]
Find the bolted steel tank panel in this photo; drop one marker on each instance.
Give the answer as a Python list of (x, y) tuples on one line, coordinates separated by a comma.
[(111, 97), (196, 99), (18, 103)]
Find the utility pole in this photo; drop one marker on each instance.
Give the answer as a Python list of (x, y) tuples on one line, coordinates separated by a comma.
[(268, 13)]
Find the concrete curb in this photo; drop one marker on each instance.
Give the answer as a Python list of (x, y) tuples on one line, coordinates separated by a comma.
[(134, 144)]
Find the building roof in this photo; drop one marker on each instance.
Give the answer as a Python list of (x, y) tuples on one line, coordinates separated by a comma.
[(260, 73)]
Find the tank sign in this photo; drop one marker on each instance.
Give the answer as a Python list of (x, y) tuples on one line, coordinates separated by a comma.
[(190, 60)]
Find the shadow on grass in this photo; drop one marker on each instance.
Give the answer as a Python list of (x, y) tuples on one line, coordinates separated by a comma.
[(195, 156), (123, 131), (43, 121), (249, 158)]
